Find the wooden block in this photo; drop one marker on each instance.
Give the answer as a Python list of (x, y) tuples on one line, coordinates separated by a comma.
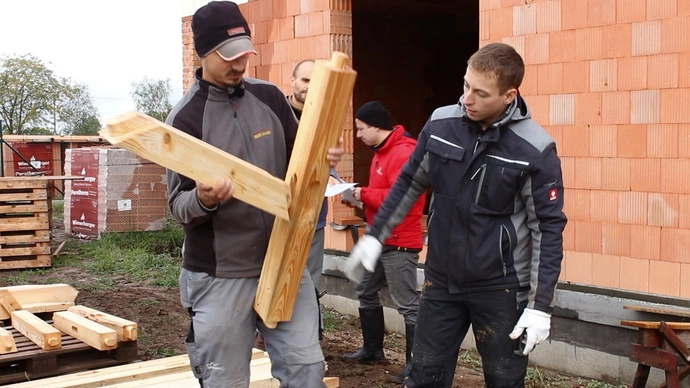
[(320, 127), (171, 148), (7, 344), (85, 330), (42, 298), (126, 330), (8, 302), (37, 330)]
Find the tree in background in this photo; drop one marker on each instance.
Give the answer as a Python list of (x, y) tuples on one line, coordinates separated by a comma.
[(23, 93), (152, 97), (77, 113), (33, 100)]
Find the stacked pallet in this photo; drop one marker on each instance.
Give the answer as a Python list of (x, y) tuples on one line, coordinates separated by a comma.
[(120, 192), (171, 372), (49, 335), (25, 223)]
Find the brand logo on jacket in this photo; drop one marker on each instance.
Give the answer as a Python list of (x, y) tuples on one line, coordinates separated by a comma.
[(553, 194), (262, 133), (379, 171)]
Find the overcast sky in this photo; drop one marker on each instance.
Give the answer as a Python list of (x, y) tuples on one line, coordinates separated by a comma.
[(106, 45)]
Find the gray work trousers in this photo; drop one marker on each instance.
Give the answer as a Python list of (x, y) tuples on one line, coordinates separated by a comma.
[(399, 270), (315, 259), (221, 335)]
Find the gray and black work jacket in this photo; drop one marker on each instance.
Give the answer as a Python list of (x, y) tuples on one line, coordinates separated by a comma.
[(496, 220), (255, 123)]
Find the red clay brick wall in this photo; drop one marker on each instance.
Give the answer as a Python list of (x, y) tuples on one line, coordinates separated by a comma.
[(610, 80)]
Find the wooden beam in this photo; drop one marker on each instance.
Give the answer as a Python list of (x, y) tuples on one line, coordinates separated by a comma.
[(41, 298), (170, 372), (327, 103), (8, 302), (7, 344), (37, 330), (126, 330), (85, 330), (173, 149)]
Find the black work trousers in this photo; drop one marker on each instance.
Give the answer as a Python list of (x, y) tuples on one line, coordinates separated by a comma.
[(442, 323)]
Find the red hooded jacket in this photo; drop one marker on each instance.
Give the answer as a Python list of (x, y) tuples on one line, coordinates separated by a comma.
[(385, 168)]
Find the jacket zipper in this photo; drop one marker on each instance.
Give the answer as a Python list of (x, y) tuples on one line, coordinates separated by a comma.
[(500, 247), (476, 144), (469, 210), (482, 168)]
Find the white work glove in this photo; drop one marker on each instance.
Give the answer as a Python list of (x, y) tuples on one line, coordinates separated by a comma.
[(537, 323), (363, 258)]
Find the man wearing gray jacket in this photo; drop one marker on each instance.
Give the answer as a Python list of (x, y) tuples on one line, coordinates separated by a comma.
[(226, 239)]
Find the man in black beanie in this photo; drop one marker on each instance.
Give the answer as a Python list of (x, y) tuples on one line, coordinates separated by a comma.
[(397, 265), (225, 239)]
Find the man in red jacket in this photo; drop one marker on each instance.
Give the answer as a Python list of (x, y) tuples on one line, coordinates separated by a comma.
[(397, 266)]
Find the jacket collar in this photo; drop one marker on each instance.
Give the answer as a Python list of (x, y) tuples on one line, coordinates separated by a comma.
[(215, 92)]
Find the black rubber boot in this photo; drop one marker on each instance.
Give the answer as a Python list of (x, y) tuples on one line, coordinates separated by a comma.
[(409, 341), (372, 333)]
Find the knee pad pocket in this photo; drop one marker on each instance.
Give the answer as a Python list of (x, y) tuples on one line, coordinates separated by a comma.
[(307, 355)]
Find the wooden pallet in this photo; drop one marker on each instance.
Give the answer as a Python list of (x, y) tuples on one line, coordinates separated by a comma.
[(31, 362), (25, 223), (171, 372)]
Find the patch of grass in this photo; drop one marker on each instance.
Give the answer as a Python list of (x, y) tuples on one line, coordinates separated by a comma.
[(58, 208), (471, 359), (162, 352), (152, 258), (147, 302), (330, 321)]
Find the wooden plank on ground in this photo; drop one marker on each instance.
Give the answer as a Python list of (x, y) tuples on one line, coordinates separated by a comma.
[(659, 310), (85, 330), (200, 161), (137, 371), (42, 298), (37, 330), (7, 344), (126, 330), (320, 127), (171, 372)]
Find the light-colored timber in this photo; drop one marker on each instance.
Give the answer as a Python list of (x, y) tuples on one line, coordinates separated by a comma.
[(41, 298), (170, 372), (320, 128), (126, 330), (178, 151), (7, 344), (36, 330), (85, 330)]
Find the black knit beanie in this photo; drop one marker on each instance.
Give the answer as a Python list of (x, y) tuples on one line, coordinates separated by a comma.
[(375, 114)]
